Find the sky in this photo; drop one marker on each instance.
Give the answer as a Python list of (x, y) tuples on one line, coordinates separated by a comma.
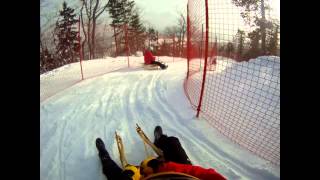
[(161, 13), (156, 13)]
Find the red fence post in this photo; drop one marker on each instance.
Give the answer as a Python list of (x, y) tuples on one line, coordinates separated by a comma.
[(80, 49), (173, 44), (115, 39), (201, 42), (188, 40), (205, 59), (126, 34)]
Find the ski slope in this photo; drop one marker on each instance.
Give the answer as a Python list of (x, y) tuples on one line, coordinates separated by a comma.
[(72, 119)]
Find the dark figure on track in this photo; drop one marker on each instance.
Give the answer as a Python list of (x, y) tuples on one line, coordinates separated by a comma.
[(175, 160), (150, 59)]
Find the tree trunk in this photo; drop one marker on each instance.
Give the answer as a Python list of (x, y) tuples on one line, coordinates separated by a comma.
[(93, 39), (89, 39), (115, 39), (85, 36), (182, 42), (263, 28), (93, 33), (41, 45)]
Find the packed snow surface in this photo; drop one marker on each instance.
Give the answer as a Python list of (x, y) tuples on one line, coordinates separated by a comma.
[(73, 118)]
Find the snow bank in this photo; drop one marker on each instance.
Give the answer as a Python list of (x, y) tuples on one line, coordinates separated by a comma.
[(242, 100)]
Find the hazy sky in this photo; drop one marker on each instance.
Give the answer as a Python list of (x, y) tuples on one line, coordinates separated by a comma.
[(157, 13), (161, 13)]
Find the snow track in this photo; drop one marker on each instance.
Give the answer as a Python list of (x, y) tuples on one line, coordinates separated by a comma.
[(72, 120)]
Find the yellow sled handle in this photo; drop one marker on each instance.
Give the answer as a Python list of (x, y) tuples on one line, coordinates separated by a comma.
[(147, 140), (123, 159)]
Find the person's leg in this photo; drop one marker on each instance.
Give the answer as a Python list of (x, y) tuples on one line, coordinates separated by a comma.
[(109, 167), (162, 66), (171, 147), (179, 155), (111, 170)]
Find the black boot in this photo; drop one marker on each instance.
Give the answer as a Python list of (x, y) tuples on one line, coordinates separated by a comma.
[(157, 133), (103, 153), (163, 66)]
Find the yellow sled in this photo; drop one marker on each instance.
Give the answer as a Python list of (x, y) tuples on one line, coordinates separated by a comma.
[(170, 176), (150, 66)]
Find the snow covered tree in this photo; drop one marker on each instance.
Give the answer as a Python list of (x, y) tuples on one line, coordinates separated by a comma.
[(66, 36)]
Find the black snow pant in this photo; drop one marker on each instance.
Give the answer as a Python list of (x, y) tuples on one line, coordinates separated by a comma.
[(172, 149), (112, 170), (162, 66)]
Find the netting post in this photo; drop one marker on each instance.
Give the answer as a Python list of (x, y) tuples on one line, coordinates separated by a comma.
[(127, 49), (188, 40), (201, 45), (173, 43), (115, 39), (80, 49), (205, 59)]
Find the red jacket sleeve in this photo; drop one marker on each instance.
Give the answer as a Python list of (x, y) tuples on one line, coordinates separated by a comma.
[(197, 171), (148, 57)]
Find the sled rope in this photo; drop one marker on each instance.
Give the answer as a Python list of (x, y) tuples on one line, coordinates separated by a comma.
[(146, 149), (147, 141), (123, 159)]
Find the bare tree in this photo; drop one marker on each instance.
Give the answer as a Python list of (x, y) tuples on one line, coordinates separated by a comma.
[(93, 8), (84, 32), (182, 28), (171, 33)]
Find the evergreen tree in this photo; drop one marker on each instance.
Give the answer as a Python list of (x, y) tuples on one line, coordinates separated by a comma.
[(47, 62), (164, 49), (152, 35), (116, 11), (259, 19), (124, 16), (127, 11), (254, 50), (66, 35), (273, 42), (152, 38), (221, 49), (230, 49), (138, 36), (119, 11), (240, 36)]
